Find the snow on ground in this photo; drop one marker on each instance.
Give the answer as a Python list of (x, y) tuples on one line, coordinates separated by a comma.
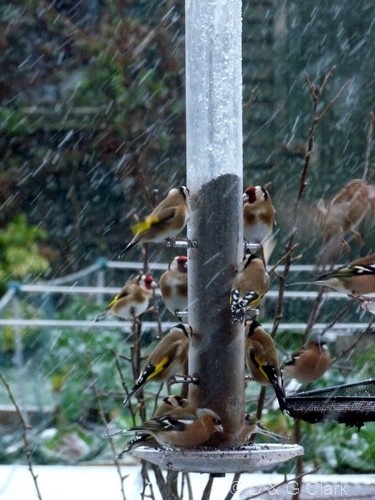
[(102, 483)]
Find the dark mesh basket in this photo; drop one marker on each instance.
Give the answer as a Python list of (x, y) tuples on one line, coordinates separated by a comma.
[(350, 404)]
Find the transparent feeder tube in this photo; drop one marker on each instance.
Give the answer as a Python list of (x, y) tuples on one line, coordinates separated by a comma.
[(214, 177)]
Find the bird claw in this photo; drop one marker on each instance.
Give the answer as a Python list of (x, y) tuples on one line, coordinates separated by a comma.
[(100, 316), (183, 379)]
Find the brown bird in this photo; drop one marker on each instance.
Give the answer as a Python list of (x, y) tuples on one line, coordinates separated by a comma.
[(341, 215), (262, 361), (356, 278), (173, 285), (249, 286), (166, 220), (184, 428), (168, 357), (169, 403), (254, 426), (259, 214), (310, 363), (132, 300)]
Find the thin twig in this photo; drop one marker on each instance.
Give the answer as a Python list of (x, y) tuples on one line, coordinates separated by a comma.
[(123, 381), (315, 94), (146, 481), (333, 101), (355, 343), (208, 488), (105, 423), (234, 486), (369, 145), (276, 486), (25, 435), (252, 98)]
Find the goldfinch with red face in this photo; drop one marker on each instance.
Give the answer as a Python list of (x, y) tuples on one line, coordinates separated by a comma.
[(341, 215), (262, 361), (168, 404), (173, 285), (310, 363), (182, 428), (168, 357), (258, 213), (133, 300), (249, 286), (166, 220), (356, 278)]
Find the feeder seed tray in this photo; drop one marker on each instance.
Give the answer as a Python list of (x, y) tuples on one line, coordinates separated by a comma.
[(350, 404), (245, 459)]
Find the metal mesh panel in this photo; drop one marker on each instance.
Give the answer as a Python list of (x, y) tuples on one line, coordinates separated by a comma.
[(350, 404)]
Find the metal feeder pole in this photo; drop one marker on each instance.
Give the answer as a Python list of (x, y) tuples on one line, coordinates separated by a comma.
[(214, 178)]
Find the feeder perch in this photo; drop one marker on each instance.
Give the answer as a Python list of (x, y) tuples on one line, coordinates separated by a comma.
[(180, 243), (253, 247)]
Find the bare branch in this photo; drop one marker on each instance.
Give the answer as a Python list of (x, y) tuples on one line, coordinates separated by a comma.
[(369, 144), (208, 488), (233, 486), (252, 98), (315, 93), (285, 481), (333, 101), (25, 435), (105, 423)]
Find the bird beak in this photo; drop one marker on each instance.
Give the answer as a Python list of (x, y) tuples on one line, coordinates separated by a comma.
[(219, 428), (245, 198)]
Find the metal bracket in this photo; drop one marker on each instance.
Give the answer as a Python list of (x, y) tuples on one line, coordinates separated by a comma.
[(180, 243)]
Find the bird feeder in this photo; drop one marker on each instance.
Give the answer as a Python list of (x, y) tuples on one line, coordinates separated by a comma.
[(214, 178)]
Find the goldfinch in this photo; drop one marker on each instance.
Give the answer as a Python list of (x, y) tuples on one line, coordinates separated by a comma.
[(249, 286), (182, 428), (261, 359), (169, 403), (166, 220), (258, 213), (132, 300), (254, 426), (341, 215), (173, 285), (310, 363), (168, 357), (356, 278)]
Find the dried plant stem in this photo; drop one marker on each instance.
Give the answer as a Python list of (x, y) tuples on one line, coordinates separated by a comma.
[(315, 94), (356, 342), (25, 435), (276, 486), (105, 423), (233, 486), (252, 98), (163, 485), (208, 488), (299, 460), (369, 145)]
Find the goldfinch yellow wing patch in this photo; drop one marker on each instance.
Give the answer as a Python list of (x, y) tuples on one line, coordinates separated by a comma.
[(143, 226)]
